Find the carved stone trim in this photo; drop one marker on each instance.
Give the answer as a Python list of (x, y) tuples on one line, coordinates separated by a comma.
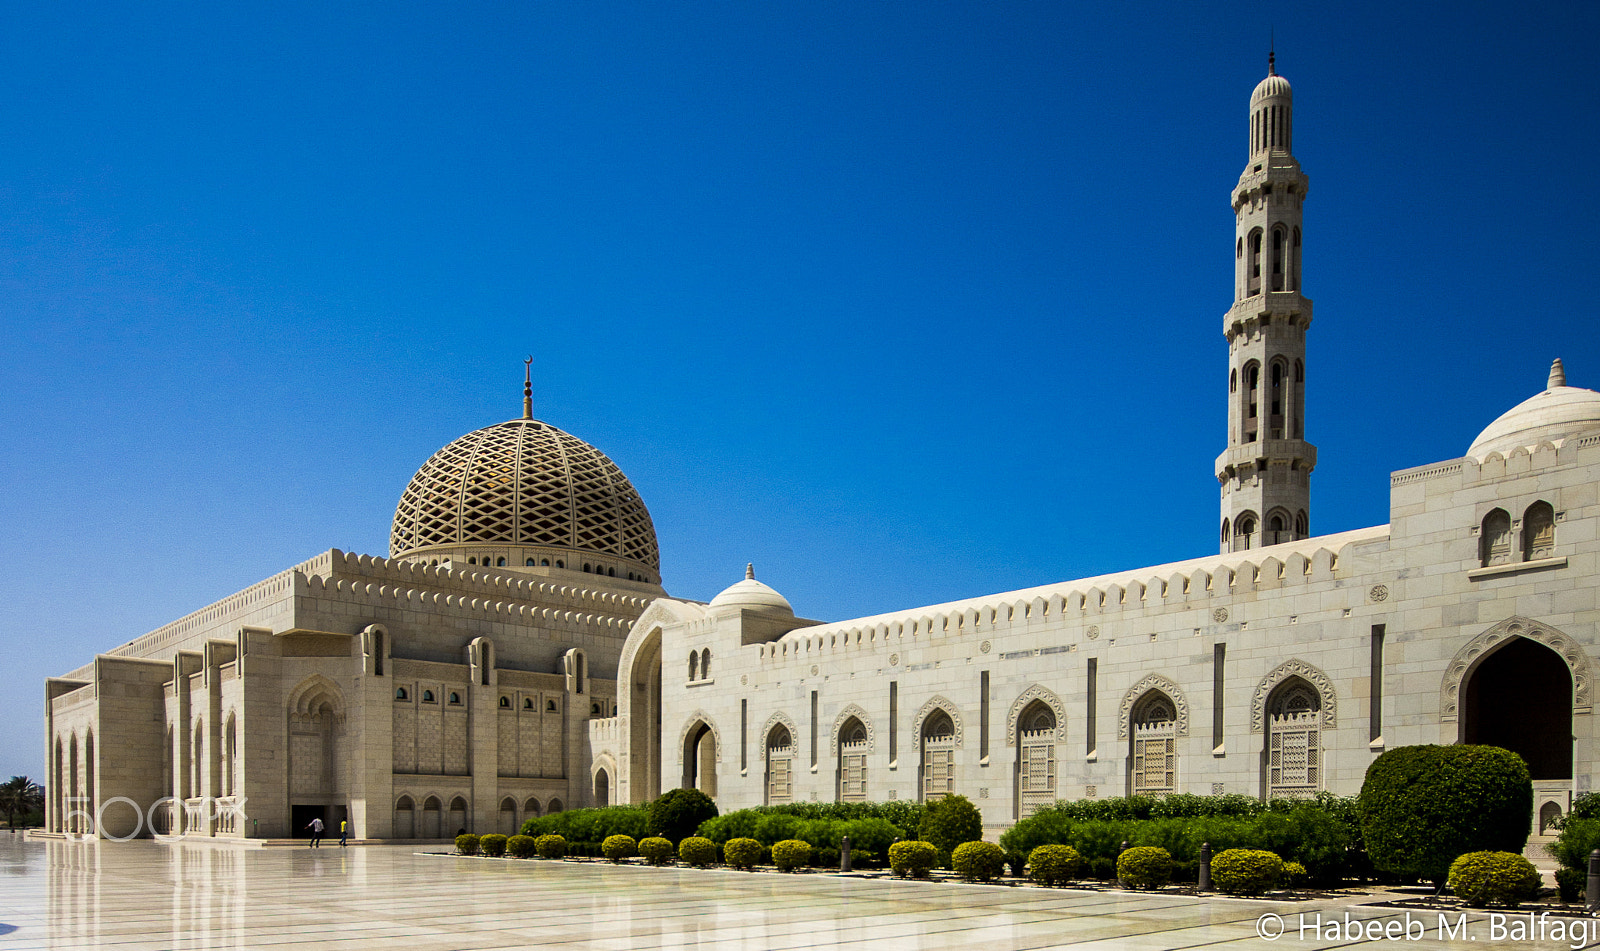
[(1468, 658), (1036, 692), (1180, 703), (699, 716), (1311, 675), (766, 728), (940, 703), (851, 710)]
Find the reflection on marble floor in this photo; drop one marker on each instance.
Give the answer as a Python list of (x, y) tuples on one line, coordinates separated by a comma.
[(143, 895)]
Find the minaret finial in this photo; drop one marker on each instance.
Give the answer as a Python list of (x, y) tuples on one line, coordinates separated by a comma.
[(1272, 51), (527, 388), (1558, 375), (750, 571)]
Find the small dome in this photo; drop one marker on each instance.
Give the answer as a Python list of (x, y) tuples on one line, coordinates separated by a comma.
[(752, 594), (1273, 85), (525, 483), (1560, 412)]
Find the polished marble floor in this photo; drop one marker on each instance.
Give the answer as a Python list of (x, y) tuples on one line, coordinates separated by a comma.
[(141, 895)]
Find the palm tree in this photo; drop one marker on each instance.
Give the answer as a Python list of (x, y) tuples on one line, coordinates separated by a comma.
[(20, 795)]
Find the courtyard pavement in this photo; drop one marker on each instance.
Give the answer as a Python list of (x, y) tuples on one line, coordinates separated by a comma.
[(143, 895)]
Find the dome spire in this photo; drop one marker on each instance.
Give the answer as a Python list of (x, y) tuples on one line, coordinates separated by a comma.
[(1272, 51), (527, 388), (750, 571), (1558, 375)]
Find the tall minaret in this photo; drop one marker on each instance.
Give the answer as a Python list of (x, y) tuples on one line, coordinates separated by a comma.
[(1266, 471)]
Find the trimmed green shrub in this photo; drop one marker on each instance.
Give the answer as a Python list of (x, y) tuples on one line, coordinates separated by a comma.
[(1578, 838), (551, 847), (742, 853), (1294, 874), (697, 852), (493, 844), (679, 812), (1146, 867), (520, 846), (467, 844), (1571, 883), (1054, 864), (1493, 878), (978, 861), (1422, 806), (949, 822), (912, 859), (656, 850), (790, 854), (1246, 871), (619, 847), (885, 822)]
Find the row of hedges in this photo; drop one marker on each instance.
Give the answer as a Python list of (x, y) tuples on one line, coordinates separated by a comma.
[(1306, 834), (905, 817), (675, 816), (1189, 806)]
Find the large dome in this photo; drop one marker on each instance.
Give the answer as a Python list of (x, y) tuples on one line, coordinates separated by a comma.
[(1551, 416), (526, 486)]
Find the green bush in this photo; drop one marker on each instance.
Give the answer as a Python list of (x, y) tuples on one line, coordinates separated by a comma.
[(1578, 838), (1493, 878), (656, 850), (551, 847), (1145, 867), (1294, 874), (912, 859), (1422, 806), (742, 853), (520, 846), (790, 854), (619, 847), (1571, 883), (493, 844), (949, 822), (697, 852), (978, 861), (467, 844), (1054, 864), (1246, 871), (679, 812), (885, 822)]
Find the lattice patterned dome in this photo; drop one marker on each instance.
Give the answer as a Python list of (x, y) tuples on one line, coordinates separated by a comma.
[(525, 486)]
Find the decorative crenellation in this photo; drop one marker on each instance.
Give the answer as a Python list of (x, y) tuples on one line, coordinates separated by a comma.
[(376, 595), (505, 584), (1284, 671), (1167, 686), (1036, 692), (1489, 641)]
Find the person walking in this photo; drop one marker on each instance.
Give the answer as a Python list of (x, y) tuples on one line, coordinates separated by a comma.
[(344, 831), (316, 831)]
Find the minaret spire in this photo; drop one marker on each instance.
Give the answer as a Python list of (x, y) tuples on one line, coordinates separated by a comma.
[(1265, 473), (527, 388), (1558, 375), (1272, 51)]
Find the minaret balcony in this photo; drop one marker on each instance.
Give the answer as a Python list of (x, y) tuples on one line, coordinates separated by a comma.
[(1277, 305), (1235, 458)]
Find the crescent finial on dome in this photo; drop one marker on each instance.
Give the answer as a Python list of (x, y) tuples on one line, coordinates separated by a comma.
[(1558, 375), (527, 388)]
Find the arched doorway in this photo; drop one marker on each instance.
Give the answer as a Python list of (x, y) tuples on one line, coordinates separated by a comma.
[(1036, 758), (602, 788), (1534, 681), (643, 699), (700, 758), (854, 741)]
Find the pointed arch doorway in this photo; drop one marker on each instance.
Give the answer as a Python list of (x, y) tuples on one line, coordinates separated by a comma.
[(1519, 697)]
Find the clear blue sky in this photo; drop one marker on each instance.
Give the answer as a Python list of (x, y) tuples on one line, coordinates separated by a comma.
[(904, 302)]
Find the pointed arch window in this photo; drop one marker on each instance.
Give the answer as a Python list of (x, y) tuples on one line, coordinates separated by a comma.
[(1036, 758), (1294, 741), (853, 761), (780, 765), (1280, 252), (1538, 531), (1495, 545), (938, 756), (1253, 267), (1153, 756)]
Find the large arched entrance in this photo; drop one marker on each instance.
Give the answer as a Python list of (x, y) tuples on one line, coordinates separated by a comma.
[(1519, 697), (642, 703)]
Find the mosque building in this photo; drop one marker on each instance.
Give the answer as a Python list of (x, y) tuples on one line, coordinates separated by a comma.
[(516, 655)]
